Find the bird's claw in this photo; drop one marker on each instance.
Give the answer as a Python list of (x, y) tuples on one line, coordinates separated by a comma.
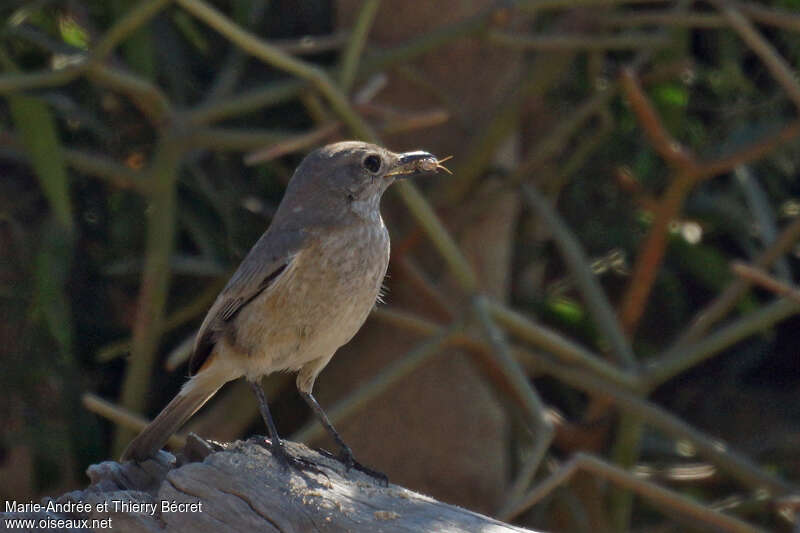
[(286, 459), (381, 478), (349, 462), (346, 458)]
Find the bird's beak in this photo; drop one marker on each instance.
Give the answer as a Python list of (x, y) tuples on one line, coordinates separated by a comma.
[(410, 164)]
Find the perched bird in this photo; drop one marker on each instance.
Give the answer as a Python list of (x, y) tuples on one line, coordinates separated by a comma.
[(303, 290)]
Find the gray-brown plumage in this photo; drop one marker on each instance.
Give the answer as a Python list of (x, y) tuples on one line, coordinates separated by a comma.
[(303, 290)]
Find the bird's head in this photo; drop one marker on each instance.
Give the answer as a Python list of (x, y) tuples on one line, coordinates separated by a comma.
[(348, 179)]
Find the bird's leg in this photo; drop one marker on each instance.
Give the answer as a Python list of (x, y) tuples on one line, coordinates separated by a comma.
[(277, 446), (345, 453)]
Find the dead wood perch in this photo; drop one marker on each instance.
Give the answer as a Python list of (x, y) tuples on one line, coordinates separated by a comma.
[(240, 487)]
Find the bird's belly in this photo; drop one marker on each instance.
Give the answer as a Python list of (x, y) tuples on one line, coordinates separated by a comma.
[(319, 305)]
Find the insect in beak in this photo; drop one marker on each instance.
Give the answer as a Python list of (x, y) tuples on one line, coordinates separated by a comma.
[(411, 163), (439, 164)]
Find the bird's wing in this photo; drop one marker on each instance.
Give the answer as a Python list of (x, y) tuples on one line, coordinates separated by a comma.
[(265, 262)]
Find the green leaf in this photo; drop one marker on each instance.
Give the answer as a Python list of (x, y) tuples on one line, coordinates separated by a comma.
[(705, 264), (139, 49), (37, 128), (51, 272), (671, 94), (190, 31), (72, 33), (567, 310)]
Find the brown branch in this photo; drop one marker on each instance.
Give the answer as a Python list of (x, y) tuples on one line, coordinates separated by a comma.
[(663, 18), (665, 499), (716, 310), (780, 18), (774, 62), (688, 171), (410, 121), (772, 16), (293, 144), (651, 254), (312, 44), (628, 183), (577, 42), (756, 150), (761, 277), (663, 143), (428, 295), (123, 417)]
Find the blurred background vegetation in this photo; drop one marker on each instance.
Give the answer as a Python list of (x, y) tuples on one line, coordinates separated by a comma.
[(589, 327)]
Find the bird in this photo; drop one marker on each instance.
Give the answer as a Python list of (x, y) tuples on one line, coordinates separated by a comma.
[(302, 291)]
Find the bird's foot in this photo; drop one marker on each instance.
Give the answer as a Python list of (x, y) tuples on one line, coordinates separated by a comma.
[(346, 458), (381, 478), (284, 458)]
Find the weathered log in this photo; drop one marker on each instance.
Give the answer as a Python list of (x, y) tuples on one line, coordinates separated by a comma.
[(240, 487)]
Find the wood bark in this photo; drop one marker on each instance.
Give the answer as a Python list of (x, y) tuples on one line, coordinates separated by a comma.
[(241, 487)]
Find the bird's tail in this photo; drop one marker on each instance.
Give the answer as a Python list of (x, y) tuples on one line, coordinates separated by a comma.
[(195, 392)]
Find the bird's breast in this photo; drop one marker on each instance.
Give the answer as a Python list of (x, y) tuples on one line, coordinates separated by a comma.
[(321, 301)]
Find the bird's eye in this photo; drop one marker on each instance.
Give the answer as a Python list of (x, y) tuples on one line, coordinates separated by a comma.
[(372, 163)]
